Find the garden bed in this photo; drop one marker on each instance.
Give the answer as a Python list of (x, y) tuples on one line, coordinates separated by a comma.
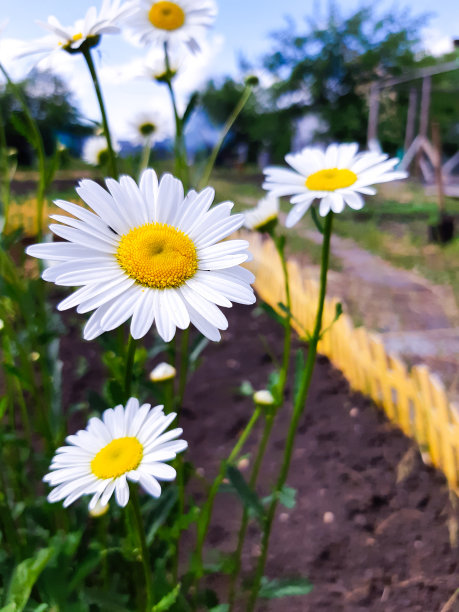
[(372, 524), (385, 545)]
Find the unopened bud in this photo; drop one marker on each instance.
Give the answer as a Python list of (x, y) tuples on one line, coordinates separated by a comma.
[(99, 510), (34, 356), (163, 371), (252, 80), (263, 398)]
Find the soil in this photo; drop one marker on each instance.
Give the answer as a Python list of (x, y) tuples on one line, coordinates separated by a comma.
[(372, 525)]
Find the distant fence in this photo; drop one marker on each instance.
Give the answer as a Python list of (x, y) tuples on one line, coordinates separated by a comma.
[(24, 214), (415, 400)]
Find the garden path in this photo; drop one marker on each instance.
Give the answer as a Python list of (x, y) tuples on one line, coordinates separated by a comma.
[(418, 320)]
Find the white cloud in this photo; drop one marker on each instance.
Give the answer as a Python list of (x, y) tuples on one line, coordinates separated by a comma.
[(436, 42)]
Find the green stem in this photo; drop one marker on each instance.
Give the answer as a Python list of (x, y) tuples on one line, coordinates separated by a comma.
[(298, 410), (180, 464), (226, 128), (130, 354), (270, 418), (145, 159), (280, 246), (184, 365), (139, 528), (10, 533), (6, 180), (269, 422), (111, 153), (181, 163), (205, 516)]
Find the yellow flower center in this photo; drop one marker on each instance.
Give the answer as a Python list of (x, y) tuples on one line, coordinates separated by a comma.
[(331, 179), (166, 15), (117, 458), (157, 255), (76, 37)]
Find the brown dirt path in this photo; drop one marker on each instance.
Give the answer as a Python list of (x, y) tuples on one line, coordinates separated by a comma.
[(419, 321)]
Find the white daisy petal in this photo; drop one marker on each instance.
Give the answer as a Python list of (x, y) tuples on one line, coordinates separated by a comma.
[(297, 212), (335, 177), (122, 491), (180, 22), (354, 200), (144, 315), (129, 442), (145, 251), (164, 321), (85, 30), (150, 484)]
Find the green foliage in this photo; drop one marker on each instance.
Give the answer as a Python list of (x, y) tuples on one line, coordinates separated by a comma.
[(327, 68), (248, 496), (24, 577), (168, 600), (51, 105), (285, 587)]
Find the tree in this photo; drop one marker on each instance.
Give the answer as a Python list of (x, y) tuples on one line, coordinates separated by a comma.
[(328, 68), (50, 103)]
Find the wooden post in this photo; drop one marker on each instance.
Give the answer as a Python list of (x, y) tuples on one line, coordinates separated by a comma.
[(436, 141), (425, 106), (372, 133), (411, 118), (424, 120)]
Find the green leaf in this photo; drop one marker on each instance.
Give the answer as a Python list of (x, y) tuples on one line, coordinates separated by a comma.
[(168, 600), (284, 587), (316, 219), (299, 368), (197, 349), (269, 310), (338, 310), (246, 388), (116, 392), (23, 128), (24, 577), (14, 371), (162, 510), (3, 406), (220, 608), (248, 496), (9, 608), (190, 107), (286, 497)]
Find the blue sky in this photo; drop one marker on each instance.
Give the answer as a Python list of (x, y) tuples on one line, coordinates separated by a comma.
[(241, 26)]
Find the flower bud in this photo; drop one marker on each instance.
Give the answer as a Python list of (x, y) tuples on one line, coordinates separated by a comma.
[(263, 398), (163, 371)]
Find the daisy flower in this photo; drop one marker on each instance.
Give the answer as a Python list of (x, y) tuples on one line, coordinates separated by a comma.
[(95, 150), (149, 127), (338, 176), (264, 216), (149, 253), (84, 31), (155, 67), (162, 21), (128, 443)]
